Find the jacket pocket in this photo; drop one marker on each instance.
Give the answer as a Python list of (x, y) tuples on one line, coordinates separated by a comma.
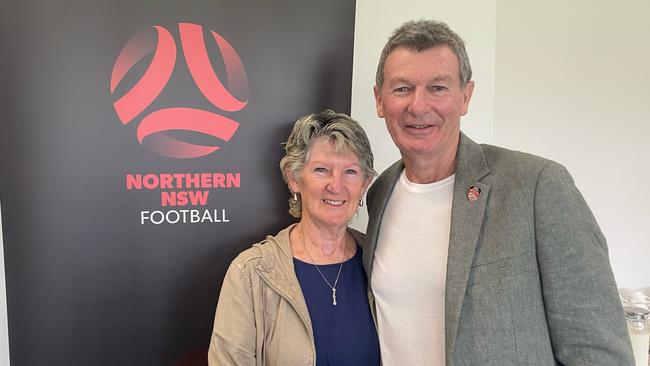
[(500, 269)]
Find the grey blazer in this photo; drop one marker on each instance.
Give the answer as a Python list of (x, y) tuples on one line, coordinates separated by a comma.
[(528, 275)]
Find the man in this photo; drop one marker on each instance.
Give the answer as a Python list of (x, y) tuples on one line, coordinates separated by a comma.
[(478, 255)]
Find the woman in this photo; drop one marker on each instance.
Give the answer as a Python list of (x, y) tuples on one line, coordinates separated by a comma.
[(299, 297)]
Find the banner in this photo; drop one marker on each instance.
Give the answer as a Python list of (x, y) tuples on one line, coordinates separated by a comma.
[(139, 154)]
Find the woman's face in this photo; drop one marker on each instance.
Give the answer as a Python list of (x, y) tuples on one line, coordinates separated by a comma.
[(330, 185)]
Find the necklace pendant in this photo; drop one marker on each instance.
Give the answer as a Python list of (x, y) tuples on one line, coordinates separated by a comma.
[(334, 296)]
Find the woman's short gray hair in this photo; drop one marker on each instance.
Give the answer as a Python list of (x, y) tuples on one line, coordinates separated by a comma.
[(421, 35), (340, 129)]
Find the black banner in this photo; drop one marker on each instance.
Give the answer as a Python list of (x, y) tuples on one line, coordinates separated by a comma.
[(139, 154)]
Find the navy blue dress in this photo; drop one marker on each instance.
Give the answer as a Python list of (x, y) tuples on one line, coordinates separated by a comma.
[(345, 333)]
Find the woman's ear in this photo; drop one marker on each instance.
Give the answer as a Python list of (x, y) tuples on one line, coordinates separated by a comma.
[(294, 186), (366, 185)]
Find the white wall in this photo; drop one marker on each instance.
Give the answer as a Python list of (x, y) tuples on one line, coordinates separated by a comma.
[(572, 84), (566, 80)]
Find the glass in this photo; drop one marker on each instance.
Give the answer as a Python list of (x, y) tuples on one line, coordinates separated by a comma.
[(637, 326)]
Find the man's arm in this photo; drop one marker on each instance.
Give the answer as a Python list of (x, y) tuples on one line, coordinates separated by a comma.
[(584, 314)]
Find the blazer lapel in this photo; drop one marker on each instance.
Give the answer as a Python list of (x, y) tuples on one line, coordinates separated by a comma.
[(384, 186), (466, 221)]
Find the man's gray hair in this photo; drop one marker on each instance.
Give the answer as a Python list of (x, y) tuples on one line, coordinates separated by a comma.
[(340, 129), (422, 35)]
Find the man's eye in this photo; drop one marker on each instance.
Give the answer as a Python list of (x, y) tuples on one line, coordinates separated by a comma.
[(402, 89), (439, 88)]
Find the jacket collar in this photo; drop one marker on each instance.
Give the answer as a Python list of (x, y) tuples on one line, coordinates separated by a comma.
[(379, 197), (466, 221), (276, 268)]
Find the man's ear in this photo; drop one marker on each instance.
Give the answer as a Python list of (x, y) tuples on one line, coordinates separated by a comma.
[(378, 102), (467, 91)]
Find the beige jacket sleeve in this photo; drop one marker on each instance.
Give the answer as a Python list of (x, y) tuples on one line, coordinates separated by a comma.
[(234, 334)]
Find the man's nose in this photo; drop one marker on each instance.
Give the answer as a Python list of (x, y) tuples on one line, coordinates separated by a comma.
[(419, 103)]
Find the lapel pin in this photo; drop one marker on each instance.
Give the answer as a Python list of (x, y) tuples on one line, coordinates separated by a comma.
[(473, 193)]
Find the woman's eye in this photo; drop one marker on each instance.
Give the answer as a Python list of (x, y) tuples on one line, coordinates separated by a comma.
[(320, 170), (351, 171)]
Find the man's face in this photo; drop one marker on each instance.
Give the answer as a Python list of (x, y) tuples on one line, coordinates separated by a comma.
[(422, 101)]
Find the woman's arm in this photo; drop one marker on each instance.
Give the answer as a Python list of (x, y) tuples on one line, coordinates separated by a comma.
[(233, 335)]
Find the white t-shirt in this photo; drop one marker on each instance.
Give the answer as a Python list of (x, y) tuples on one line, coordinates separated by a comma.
[(409, 273)]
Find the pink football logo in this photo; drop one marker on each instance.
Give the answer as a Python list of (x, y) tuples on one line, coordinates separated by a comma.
[(153, 129)]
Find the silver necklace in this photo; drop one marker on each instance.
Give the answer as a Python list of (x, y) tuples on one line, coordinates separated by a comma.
[(313, 263)]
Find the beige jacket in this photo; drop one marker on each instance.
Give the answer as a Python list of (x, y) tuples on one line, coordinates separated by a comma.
[(262, 317)]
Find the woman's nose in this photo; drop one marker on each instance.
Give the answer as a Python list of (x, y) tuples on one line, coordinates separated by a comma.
[(334, 184)]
